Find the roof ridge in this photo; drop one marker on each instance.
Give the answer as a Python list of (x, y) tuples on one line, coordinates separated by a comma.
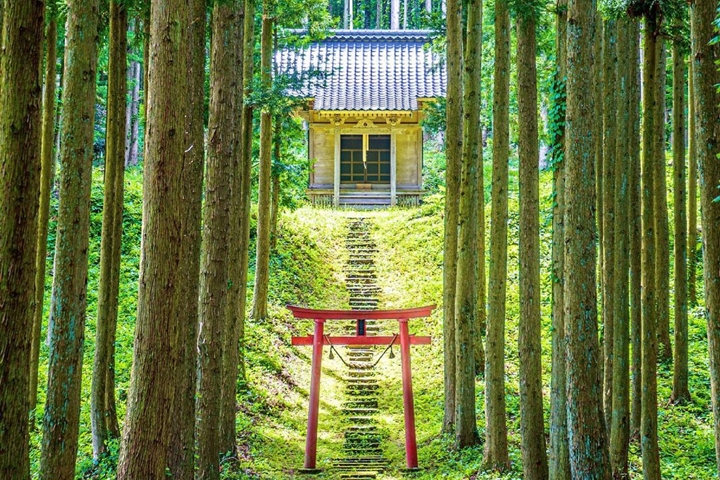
[(369, 34)]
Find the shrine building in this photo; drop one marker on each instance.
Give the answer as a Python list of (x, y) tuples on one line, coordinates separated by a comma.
[(365, 141)]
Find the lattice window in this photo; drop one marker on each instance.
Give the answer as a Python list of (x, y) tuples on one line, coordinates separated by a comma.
[(365, 158)]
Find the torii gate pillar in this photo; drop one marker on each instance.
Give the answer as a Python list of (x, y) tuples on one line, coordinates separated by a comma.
[(318, 340), (313, 410)]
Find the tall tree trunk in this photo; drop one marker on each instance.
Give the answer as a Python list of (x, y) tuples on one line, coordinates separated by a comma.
[(608, 218), (405, 14), (589, 457), (274, 201), (453, 152), (496, 448), (648, 420), (146, 63), (706, 78), (619, 403), (132, 120), (181, 453), (469, 243), (531, 408), (559, 460), (428, 6), (394, 14), (46, 177), (214, 262), (154, 415), (348, 15), (597, 125), (20, 162), (681, 392), (662, 227), (111, 239), (62, 408), (692, 236), (275, 184), (58, 127), (263, 223), (378, 15), (247, 139), (233, 315), (635, 223)]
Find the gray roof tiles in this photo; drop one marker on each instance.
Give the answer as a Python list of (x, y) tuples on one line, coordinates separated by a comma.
[(368, 70)]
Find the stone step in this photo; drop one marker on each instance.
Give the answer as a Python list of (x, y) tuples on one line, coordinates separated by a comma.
[(359, 476), (359, 411), (362, 374), (360, 419), (361, 387), (370, 461), (363, 451), (360, 381), (363, 289), (368, 403)]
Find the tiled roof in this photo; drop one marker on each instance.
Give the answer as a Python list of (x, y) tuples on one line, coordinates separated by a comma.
[(368, 69)]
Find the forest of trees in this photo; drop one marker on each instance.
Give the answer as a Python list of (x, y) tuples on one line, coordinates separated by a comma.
[(619, 99)]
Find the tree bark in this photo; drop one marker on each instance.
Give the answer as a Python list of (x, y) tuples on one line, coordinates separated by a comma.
[(46, 178), (559, 459), (619, 402), (466, 299), (608, 217), (264, 180), (496, 448), (405, 14), (635, 223), (692, 254), (348, 15), (559, 456), (534, 458), (20, 162), (453, 152), (233, 314), (111, 239), (247, 133), (681, 392), (662, 227), (428, 6), (598, 150), (394, 14), (62, 408), (274, 200), (181, 453), (133, 120), (166, 320), (706, 78), (589, 458), (214, 268), (648, 420)]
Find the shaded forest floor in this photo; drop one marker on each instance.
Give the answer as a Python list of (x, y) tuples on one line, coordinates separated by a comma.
[(307, 269)]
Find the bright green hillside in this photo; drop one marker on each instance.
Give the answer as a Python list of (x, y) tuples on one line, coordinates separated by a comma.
[(307, 269)]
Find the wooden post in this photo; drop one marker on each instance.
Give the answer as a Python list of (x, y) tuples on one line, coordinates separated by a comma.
[(312, 427), (393, 167), (411, 457), (336, 176)]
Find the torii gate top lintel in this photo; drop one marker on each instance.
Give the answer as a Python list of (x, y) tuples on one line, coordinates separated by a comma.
[(401, 314)]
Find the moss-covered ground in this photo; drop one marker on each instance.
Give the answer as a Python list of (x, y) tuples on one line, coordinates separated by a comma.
[(307, 269)]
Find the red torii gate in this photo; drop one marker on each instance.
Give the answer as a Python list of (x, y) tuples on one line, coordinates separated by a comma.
[(318, 339)]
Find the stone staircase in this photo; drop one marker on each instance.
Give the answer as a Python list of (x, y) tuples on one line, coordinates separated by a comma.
[(363, 457)]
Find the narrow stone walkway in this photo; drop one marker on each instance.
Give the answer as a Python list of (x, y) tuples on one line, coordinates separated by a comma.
[(363, 458)]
